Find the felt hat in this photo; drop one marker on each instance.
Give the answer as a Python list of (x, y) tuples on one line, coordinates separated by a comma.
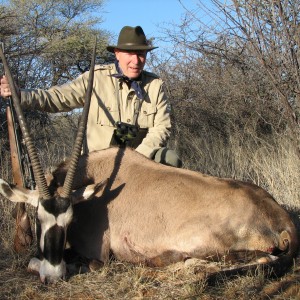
[(131, 39)]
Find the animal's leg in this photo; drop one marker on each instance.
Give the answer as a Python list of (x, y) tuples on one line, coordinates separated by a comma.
[(77, 263)]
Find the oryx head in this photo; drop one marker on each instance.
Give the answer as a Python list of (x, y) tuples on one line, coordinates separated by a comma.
[(54, 212)]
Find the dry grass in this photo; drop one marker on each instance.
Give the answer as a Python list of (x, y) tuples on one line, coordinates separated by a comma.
[(125, 281), (275, 169)]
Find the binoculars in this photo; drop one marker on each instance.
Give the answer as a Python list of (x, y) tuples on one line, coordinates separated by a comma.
[(125, 132)]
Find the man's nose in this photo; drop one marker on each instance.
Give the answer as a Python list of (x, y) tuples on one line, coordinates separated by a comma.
[(135, 58)]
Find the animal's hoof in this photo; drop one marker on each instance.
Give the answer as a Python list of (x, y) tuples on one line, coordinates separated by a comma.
[(266, 259), (75, 268), (95, 264)]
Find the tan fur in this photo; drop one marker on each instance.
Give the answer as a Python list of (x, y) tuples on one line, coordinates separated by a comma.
[(158, 215)]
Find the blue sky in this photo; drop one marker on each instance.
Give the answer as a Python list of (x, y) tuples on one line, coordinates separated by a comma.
[(150, 14)]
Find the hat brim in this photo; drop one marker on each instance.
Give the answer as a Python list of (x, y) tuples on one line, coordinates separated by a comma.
[(130, 48)]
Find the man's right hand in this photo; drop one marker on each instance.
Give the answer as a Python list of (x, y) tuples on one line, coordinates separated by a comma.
[(4, 87)]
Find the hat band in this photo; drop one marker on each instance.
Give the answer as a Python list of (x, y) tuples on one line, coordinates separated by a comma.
[(132, 44)]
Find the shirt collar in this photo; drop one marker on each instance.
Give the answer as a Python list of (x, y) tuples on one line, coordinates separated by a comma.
[(135, 84)]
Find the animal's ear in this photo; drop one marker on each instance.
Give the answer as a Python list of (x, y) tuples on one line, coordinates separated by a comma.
[(88, 192), (19, 194)]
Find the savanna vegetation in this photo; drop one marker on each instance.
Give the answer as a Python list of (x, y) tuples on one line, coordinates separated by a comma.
[(232, 74)]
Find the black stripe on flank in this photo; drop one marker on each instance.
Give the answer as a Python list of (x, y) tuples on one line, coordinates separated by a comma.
[(56, 206), (54, 244)]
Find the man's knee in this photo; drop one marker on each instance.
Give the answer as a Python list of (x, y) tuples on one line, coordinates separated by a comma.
[(168, 157)]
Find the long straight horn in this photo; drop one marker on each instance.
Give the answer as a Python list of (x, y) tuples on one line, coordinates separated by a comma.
[(67, 188), (36, 165)]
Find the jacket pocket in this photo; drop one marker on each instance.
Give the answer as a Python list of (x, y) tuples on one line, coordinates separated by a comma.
[(147, 114), (107, 116)]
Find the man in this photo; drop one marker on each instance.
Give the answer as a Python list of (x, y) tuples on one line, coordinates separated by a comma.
[(128, 105)]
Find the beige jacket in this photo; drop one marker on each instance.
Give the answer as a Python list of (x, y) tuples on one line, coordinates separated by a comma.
[(153, 119)]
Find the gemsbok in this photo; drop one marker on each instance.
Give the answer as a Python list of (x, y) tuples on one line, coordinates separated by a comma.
[(119, 202)]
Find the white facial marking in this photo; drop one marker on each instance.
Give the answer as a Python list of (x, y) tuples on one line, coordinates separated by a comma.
[(47, 271), (34, 265), (52, 273), (48, 220)]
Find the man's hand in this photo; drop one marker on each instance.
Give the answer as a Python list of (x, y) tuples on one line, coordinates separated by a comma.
[(4, 87)]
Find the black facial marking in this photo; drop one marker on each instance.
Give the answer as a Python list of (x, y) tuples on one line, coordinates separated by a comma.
[(54, 244), (38, 230), (56, 206)]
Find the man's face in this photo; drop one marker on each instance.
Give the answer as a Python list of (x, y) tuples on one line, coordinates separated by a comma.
[(131, 62)]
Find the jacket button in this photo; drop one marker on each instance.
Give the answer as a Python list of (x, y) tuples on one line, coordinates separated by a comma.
[(108, 108), (128, 120), (144, 112)]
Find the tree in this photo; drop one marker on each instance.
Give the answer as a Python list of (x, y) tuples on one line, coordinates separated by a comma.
[(232, 59), (50, 41), (270, 31)]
